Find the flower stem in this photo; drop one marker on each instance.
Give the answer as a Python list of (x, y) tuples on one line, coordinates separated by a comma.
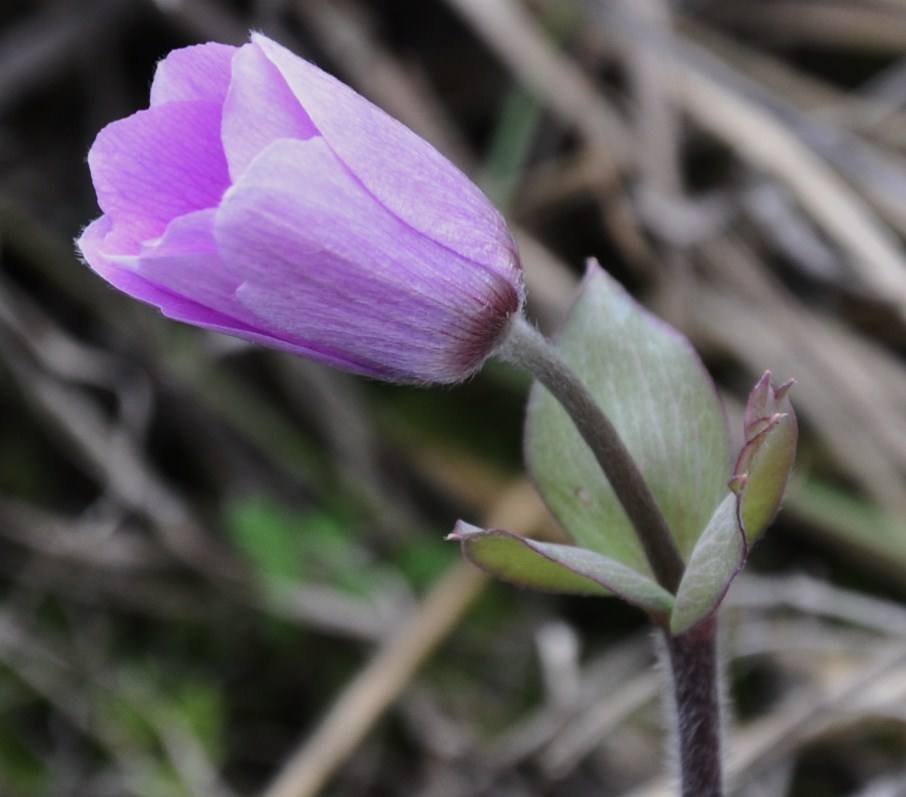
[(695, 692), (529, 349)]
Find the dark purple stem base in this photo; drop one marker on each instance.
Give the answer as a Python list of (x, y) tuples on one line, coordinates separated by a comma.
[(696, 700)]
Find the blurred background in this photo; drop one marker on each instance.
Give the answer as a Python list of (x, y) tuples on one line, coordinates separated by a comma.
[(222, 569)]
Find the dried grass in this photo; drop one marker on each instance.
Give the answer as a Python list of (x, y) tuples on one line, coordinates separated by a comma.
[(739, 164)]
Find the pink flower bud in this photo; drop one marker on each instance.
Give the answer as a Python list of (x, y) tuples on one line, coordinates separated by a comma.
[(261, 197)]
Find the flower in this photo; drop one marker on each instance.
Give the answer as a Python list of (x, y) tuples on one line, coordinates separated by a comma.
[(261, 197)]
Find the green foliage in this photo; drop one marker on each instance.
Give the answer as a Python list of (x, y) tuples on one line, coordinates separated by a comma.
[(270, 538), (148, 705), (286, 546), (21, 773), (200, 707), (559, 568), (422, 561), (650, 383), (766, 459), (152, 780), (510, 147), (715, 560), (655, 390), (851, 521)]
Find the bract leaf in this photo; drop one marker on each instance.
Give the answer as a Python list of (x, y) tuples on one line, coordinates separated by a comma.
[(757, 485), (559, 568), (766, 459), (717, 557), (652, 385)]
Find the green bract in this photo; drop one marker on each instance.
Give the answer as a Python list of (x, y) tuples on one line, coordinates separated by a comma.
[(757, 485), (649, 381), (559, 568)]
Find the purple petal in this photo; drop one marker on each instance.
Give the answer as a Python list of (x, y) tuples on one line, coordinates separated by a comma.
[(404, 173), (185, 263), (95, 244), (182, 263), (200, 72), (325, 264), (156, 165), (259, 109)]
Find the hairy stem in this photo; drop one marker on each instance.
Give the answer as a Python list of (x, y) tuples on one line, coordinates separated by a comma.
[(696, 701), (529, 349)]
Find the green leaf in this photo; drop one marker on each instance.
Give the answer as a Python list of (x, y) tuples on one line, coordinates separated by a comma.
[(757, 485), (767, 458), (851, 521), (268, 535), (25, 771), (287, 546), (717, 557), (559, 568), (652, 385)]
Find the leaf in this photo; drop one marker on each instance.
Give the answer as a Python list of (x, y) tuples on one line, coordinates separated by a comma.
[(286, 546), (559, 568), (717, 557), (652, 385), (767, 458), (852, 522), (757, 485), (268, 535)]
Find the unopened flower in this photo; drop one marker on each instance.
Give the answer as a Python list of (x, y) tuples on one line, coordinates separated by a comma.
[(261, 197)]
